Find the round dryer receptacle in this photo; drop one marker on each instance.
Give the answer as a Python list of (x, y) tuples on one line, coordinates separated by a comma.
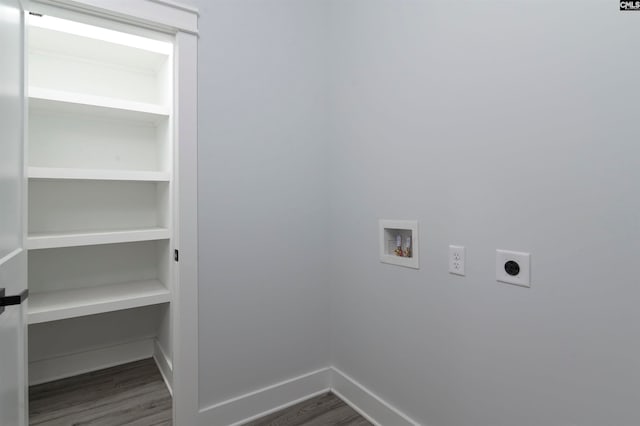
[(512, 268)]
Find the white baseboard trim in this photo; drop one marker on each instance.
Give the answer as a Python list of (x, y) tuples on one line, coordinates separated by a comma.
[(60, 367), (262, 402), (239, 410), (369, 405), (164, 365)]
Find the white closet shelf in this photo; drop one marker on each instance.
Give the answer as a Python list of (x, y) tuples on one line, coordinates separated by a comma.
[(75, 39), (97, 174), (63, 304), (57, 100), (87, 238)]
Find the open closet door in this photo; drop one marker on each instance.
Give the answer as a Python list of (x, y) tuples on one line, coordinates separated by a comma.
[(13, 259)]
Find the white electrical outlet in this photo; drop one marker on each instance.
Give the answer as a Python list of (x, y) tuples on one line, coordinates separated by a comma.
[(456, 260), (513, 267)]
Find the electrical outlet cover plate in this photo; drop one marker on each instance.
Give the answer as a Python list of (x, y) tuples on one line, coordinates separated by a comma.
[(517, 263), (456, 260)]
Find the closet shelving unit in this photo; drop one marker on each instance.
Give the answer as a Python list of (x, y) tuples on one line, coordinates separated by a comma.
[(100, 170)]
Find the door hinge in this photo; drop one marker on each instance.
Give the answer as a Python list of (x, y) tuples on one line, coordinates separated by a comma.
[(12, 300), (176, 255)]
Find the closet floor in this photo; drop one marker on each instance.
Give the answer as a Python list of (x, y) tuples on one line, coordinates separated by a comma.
[(323, 410), (131, 394)]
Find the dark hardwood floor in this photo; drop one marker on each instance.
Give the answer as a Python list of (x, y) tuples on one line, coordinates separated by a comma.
[(135, 394), (131, 394), (323, 410)]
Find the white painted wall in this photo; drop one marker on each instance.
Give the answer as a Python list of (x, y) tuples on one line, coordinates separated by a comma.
[(496, 124), (263, 205)]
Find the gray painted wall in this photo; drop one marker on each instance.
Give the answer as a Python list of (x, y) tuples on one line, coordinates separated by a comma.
[(496, 124), (263, 206)]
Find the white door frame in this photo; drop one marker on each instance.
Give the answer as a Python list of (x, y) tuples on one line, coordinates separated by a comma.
[(182, 22)]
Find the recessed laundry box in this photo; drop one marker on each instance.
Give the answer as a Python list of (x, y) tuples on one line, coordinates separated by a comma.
[(399, 242)]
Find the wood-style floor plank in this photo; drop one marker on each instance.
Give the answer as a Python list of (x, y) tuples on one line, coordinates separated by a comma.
[(135, 395), (130, 394), (323, 410)]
